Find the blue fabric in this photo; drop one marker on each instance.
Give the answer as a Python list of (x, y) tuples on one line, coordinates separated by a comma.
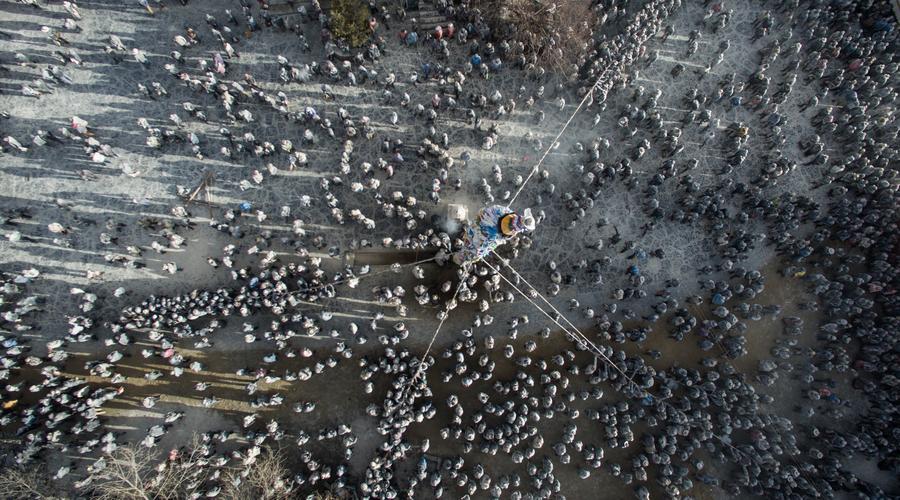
[(479, 243), (641, 256), (489, 220)]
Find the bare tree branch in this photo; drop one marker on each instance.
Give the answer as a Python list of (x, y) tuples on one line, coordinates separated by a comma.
[(267, 477), (134, 472), (21, 484)]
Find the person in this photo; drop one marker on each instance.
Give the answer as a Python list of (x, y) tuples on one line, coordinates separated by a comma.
[(494, 226)]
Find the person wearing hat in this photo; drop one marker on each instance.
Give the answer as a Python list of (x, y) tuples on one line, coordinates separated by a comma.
[(495, 226)]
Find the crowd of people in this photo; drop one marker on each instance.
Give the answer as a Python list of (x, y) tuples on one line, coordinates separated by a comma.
[(814, 97)]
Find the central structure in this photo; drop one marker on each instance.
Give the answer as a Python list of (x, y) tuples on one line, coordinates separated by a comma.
[(493, 227)]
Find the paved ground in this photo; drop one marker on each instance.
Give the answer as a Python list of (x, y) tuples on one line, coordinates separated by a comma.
[(139, 184)]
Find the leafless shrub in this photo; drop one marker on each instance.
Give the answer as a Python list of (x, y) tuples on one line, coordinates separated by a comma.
[(267, 477), (134, 472), (555, 34), (18, 483)]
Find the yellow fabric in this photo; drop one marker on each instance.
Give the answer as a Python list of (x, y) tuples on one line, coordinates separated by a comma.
[(506, 225)]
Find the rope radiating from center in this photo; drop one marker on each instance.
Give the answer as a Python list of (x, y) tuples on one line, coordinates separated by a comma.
[(579, 337), (534, 169), (582, 340), (420, 366)]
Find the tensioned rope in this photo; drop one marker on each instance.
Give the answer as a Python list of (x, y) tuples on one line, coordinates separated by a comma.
[(420, 366), (561, 315), (534, 169), (583, 338), (506, 263), (618, 62), (579, 337), (451, 304)]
